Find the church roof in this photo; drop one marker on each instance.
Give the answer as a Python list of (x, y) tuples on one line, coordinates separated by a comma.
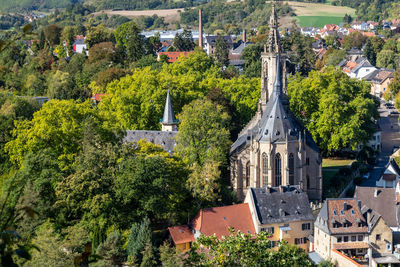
[(165, 139), (277, 122), (281, 204), (169, 117)]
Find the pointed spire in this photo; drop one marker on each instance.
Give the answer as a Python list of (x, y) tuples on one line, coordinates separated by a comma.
[(168, 117), (273, 44), (278, 78), (168, 121)]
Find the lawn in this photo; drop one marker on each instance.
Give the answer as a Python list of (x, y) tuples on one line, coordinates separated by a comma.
[(314, 14), (333, 182), (337, 163), (318, 21)]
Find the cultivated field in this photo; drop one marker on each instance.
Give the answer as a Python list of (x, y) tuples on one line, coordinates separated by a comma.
[(312, 14), (170, 15)]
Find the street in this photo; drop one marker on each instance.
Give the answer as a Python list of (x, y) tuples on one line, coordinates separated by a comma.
[(390, 136)]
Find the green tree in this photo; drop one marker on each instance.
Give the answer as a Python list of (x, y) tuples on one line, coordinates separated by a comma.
[(148, 256), (353, 40), (111, 251), (333, 57), (203, 142), (52, 34), (387, 59), (394, 85), (221, 51), (97, 35), (244, 250), (337, 110), (169, 256), (129, 39), (369, 52), (68, 35), (139, 237), (184, 41), (60, 85)]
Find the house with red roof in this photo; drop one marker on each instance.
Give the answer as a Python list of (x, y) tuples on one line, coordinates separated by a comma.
[(213, 221), (173, 56)]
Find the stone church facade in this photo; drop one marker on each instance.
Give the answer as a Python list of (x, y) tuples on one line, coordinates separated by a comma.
[(274, 148)]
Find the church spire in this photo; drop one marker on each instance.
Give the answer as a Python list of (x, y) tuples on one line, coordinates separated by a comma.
[(278, 78), (273, 44), (168, 121)]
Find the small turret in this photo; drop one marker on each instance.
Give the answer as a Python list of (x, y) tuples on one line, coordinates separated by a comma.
[(273, 43), (168, 122)]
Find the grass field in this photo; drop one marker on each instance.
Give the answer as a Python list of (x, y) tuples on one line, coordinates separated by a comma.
[(336, 163), (170, 15), (312, 14)]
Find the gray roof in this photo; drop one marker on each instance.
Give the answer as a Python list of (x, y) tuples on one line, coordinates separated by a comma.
[(372, 75), (364, 64), (322, 219), (277, 123), (281, 204), (169, 117), (239, 49), (212, 39), (165, 139)]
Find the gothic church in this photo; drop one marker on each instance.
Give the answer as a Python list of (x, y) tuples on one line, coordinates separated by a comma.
[(275, 148)]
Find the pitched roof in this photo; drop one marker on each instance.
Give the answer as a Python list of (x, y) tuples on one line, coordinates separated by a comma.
[(98, 97), (341, 215), (380, 200), (165, 139), (181, 234), (350, 245), (169, 117), (217, 220), (175, 56), (281, 204), (212, 39)]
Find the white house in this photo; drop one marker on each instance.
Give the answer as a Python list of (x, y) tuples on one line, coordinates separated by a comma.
[(390, 176)]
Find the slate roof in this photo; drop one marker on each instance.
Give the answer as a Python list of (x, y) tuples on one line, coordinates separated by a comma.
[(212, 39), (217, 220), (277, 123), (338, 212), (169, 117), (281, 204), (165, 139), (379, 76), (239, 49), (383, 201)]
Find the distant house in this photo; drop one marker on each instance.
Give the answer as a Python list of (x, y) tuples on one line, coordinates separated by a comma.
[(284, 212), (341, 232), (380, 80), (97, 97), (213, 221), (79, 46), (390, 176), (331, 27), (359, 25), (173, 56), (358, 68), (211, 40), (41, 99)]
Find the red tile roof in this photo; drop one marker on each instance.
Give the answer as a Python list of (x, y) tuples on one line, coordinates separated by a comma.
[(174, 56), (181, 234), (97, 97), (218, 220), (345, 211), (368, 34)]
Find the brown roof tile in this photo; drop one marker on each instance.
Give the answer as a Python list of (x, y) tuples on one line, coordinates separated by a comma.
[(345, 211), (350, 245), (218, 220), (181, 234)]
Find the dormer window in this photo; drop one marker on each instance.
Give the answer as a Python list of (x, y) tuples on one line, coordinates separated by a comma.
[(334, 212), (341, 212)]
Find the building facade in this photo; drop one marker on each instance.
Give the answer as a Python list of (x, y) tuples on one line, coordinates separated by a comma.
[(284, 212), (274, 148)]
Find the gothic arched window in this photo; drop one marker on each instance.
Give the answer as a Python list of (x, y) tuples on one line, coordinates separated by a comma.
[(248, 174), (291, 169), (278, 170), (265, 169)]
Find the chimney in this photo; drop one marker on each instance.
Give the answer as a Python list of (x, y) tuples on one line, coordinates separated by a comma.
[(244, 37), (200, 29)]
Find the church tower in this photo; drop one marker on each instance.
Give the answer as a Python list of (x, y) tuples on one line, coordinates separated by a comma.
[(269, 61), (168, 122), (274, 148)]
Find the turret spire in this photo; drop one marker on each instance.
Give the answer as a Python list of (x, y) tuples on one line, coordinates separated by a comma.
[(278, 78), (273, 44), (168, 121)]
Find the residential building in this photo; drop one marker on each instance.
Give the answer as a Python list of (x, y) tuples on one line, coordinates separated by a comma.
[(390, 176), (358, 68), (211, 41), (275, 148), (165, 138), (284, 212), (79, 46), (173, 56), (340, 230), (213, 221), (380, 80)]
